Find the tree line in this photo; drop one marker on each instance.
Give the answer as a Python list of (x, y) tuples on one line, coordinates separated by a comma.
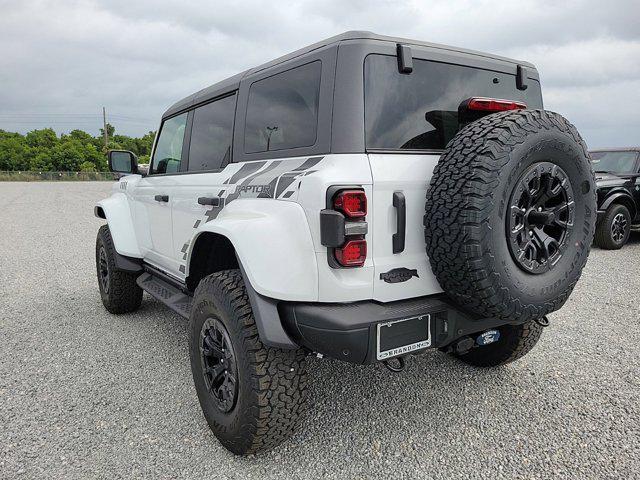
[(44, 151)]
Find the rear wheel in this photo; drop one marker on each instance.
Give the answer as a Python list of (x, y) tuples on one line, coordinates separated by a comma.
[(614, 229), (118, 289), (515, 341), (252, 396)]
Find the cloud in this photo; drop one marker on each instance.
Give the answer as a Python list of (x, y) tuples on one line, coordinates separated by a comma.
[(63, 59)]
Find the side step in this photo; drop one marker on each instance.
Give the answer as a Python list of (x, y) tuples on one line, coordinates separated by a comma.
[(171, 296)]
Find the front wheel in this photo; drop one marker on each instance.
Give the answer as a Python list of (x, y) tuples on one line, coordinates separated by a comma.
[(252, 396), (614, 229), (118, 289)]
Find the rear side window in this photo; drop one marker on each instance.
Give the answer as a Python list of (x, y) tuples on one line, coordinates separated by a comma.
[(419, 111), (211, 133), (168, 155), (282, 110)]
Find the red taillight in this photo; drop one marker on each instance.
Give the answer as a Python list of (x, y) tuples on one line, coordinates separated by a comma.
[(494, 104), (353, 203), (352, 254)]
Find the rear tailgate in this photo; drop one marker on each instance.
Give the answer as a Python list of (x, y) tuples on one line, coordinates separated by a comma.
[(407, 273)]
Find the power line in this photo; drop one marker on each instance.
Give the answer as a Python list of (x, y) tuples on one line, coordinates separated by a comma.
[(65, 122), (70, 115)]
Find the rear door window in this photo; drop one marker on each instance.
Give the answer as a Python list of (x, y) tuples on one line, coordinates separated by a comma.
[(419, 111), (211, 134), (282, 110), (168, 154)]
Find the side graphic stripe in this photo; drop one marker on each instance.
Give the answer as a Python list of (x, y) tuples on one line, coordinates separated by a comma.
[(280, 176), (246, 169), (310, 162), (286, 180), (270, 167)]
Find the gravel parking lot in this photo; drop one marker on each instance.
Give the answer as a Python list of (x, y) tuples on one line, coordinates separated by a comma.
[(86, 394)]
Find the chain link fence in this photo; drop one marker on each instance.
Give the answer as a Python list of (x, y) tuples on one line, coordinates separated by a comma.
[(57, 176)]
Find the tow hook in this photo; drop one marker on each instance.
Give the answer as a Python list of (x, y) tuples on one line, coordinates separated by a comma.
[(543, 321), (396, 364)]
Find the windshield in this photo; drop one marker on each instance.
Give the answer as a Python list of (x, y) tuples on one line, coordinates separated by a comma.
[(419, 111), (614, 162)]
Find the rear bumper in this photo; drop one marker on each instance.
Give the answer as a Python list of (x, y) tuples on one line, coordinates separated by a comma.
[(347, 331)]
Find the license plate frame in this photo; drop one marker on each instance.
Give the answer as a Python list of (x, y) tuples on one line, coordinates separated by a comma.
[(399, 350)]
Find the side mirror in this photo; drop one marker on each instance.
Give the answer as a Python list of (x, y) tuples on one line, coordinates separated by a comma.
[(122, 161)]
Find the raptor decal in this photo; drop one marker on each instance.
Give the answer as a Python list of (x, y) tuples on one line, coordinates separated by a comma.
[(264, 179)]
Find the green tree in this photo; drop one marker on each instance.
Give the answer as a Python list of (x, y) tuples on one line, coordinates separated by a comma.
[(43, 150), (45, 138), (87, 167), (111, 130), (66, 157), (14, 152)]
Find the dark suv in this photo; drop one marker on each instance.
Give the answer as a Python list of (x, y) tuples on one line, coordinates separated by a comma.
[(618, 180)]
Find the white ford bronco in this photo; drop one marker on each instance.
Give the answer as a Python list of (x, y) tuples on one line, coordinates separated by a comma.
[(365, 198)]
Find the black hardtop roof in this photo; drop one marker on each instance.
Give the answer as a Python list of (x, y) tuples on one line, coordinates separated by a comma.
[(232, 82)]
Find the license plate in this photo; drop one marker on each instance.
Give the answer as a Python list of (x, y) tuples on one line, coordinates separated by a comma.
[(403, 336)]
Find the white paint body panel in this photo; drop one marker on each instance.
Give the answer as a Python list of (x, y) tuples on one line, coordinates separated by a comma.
[(409, 174), (278, 265), (118, 210), (153, 220), (270, 211)]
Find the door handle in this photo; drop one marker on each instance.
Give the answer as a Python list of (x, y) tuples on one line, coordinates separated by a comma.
[(214, 201), (399, 204), (161, 198)]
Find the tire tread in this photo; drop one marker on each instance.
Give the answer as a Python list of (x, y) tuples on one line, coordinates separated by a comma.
[(124, 295), (277, 378), (460, 202), (603, 230)]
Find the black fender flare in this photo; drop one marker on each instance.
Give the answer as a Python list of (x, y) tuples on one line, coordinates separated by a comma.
[(267, 317), (615, 198)]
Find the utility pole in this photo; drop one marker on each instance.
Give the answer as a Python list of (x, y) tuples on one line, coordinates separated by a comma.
[(106, 134)]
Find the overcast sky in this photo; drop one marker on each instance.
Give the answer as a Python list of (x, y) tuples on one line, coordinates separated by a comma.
[(61, 61)]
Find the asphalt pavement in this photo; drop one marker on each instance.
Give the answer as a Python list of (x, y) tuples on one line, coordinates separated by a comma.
[(87, 394)]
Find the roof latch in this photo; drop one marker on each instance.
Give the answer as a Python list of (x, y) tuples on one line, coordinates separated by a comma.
[(522, 82), (405, 59)]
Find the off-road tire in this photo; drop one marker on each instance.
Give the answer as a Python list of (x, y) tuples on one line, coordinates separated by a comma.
[(466, 214), (515, 342), (604, 237), (272, 383), (122, 294)]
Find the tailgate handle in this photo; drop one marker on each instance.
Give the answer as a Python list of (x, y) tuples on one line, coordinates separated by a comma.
[(401, 211), (161, 198), (214, 201)]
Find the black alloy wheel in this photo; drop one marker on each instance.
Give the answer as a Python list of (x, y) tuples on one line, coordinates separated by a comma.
[(541, 217), (619, 228), (103, 266), (219, 365)]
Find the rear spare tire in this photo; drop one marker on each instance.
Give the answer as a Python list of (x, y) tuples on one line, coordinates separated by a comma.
[(510, 214)]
